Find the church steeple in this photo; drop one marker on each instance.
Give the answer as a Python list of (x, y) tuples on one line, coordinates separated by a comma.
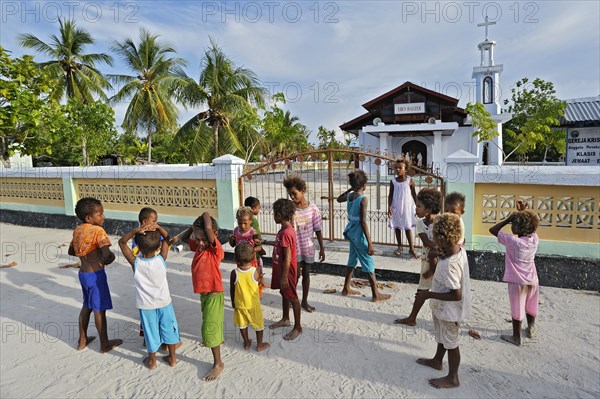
[(487, 74)]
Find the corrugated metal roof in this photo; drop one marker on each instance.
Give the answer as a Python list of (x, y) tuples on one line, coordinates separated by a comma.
[(582, 111)]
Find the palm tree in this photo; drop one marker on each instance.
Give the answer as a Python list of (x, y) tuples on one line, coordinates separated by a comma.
[(224, 90), (151, 90), (74, 71)]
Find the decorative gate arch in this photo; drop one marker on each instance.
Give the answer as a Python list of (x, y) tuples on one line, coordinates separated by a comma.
[(326, 175)]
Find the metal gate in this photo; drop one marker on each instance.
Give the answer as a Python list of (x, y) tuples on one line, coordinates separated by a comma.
[(326, 176)]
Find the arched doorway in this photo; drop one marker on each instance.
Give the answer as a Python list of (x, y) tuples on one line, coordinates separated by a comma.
[(417, 152)]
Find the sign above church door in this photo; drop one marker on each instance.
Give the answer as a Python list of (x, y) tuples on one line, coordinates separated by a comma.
[(410, 108)]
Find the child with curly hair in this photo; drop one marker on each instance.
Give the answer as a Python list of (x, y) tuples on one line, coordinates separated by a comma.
[(91, 244), (357, 232), (519, 269), (307, 222), (428, 206), (245, 299), (285, 267), (450, 296)]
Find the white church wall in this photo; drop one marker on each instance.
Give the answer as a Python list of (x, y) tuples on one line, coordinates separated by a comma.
[(368, 143)]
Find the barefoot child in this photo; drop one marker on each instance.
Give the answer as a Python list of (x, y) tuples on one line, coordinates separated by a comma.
[(153, 298), (450, 298), (91, 244), (245, 300), (357, 232), (519, 269), (307, 222), (148, 216), (428, 206), (208, 282), (244, 232), (401, 206), (285, 267)]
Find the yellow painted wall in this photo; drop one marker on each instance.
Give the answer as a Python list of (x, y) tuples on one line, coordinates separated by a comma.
[(169, 197), (566, 213), (32, 191)]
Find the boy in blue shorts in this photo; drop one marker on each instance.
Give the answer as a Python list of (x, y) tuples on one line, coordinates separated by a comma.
[(91, 244), (153, 297)]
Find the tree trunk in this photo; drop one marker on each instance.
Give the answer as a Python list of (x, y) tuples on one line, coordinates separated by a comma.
[(216, 140), (84, 158), (149, 145), (545, 154)]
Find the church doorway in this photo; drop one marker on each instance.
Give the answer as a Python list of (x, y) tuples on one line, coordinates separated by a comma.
[(416, 151)]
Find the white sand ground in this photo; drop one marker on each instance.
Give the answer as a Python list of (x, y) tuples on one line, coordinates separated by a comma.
[(349, 348)]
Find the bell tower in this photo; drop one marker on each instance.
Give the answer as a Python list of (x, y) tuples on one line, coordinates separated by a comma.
[(487, 74)]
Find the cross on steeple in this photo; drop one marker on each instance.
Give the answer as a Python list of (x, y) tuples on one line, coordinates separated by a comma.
[(486, 24)]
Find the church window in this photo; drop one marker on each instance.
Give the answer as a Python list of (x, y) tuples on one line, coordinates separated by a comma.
[(488, 90)]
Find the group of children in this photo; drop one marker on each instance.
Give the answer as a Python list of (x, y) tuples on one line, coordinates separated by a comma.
[(444, 277)]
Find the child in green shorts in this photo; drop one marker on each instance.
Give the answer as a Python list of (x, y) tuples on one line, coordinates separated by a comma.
[(208, 282)]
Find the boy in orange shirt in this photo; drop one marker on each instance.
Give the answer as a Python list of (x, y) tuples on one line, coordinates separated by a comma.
[(91, 244), (208, 282)]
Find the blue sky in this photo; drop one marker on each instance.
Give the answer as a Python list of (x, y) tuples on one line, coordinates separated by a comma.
[(329, 57)]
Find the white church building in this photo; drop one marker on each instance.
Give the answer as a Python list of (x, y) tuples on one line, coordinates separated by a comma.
[(429, 127)]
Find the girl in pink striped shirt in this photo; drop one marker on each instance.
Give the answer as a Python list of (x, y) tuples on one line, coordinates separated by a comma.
[(307, 223)]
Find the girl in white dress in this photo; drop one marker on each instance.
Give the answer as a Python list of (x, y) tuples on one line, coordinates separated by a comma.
[(401, 206)]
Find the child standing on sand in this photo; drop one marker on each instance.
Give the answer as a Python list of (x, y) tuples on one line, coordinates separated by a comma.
[(244, 284), (91, 244), (208, 282), (357, 232), (401, 206), (450, 298), (153, 298), (519, 269), (285, 267), (428, 206), (307, 222)]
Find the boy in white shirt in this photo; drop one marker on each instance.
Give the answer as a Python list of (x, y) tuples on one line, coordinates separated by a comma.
[(450, 296)]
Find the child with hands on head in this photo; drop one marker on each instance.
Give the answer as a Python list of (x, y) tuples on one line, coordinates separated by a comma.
[(245, 299), (357, 232), (428, 206), (450, 298), (153, 297), (208, 282), (91, 244), (519, 269), (307, 222)]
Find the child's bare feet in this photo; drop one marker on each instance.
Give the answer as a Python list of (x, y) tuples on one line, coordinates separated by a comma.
[(292, 335), (262, 347), (247, 344), (350, 291), (215, 372), (407, 321), (167, 359), (113, 343), (150, 363), (280, 323), (475, 334), (531, 331), (381, 297), (83, 344), (444, 382), (433, 363), (307, 307), (413, 254), (512, 339)]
